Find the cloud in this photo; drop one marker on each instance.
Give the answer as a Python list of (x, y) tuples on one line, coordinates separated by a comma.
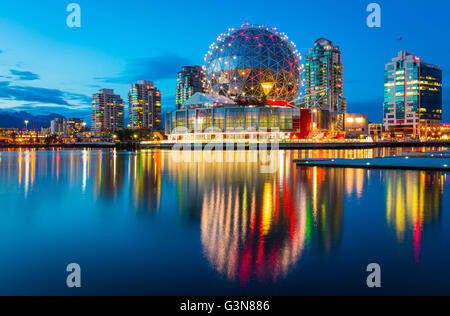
[(83, 99), (155, 68), (24, 75), (40, 95)]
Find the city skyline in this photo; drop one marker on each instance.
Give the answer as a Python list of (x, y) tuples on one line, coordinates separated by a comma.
[(225, 155), (80, 61)]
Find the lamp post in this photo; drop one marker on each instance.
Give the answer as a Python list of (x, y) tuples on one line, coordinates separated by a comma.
[(26, 125)]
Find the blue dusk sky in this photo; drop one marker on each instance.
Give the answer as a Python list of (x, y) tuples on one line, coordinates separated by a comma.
[(47, 67)]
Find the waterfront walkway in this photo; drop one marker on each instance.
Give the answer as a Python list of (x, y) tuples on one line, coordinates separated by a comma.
[(246, 146)]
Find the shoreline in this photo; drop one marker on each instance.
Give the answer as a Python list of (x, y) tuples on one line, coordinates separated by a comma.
[(51, 146), (234, 146)]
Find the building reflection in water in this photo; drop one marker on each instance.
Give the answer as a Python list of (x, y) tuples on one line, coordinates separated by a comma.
[(140, 173), (108, 174), (145, 171), (23, 165), (413, 202), (324, 193), (254, 225)]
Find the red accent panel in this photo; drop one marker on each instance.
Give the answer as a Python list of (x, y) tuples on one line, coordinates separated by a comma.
[(305, 123), (277, 103)]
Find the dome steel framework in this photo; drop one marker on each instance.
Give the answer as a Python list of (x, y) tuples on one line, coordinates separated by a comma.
[(254, 65)]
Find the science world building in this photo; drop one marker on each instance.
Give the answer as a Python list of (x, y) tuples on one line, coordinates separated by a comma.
[(253, 75)]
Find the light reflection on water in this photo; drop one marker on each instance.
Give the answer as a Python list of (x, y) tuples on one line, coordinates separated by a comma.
[(255, 229)]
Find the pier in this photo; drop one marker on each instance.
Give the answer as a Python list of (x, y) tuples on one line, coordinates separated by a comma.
[(434, 161)]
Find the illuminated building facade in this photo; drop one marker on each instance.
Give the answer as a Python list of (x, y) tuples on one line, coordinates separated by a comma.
[(356, 125), (190, 80), (253, 76), (412, 95), (205, 115), (324, 72), (107, 112), (7, 132), (144, 101), (376, 131), (67, 127), (8, 135)]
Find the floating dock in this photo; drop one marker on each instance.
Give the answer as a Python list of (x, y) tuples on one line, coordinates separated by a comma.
[(434, 162)]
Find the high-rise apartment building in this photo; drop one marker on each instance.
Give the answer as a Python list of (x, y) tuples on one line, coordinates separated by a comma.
[(190, 80), (412, 95), (144, 101), (107, 112), (324, 72)]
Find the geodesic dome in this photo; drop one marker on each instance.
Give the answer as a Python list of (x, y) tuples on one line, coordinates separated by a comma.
[(254, 64)]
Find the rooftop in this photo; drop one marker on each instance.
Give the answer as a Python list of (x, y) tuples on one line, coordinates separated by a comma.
[(205, 98)]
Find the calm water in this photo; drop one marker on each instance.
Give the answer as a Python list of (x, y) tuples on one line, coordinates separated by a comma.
[(146, 223)]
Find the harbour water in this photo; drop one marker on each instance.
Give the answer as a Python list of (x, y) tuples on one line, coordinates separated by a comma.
[(157, 223)]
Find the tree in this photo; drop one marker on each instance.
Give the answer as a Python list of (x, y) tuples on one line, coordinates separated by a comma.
[(129, 135)]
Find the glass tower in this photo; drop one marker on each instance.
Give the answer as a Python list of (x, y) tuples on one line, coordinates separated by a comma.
[(412, 95), (107, 112), (324, 72), (144, 101), (190, 80)]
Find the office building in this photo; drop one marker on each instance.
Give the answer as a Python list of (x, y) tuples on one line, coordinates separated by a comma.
[(412, 96)]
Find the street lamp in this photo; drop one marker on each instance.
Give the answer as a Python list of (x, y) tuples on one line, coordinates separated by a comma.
[(26, 124)]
